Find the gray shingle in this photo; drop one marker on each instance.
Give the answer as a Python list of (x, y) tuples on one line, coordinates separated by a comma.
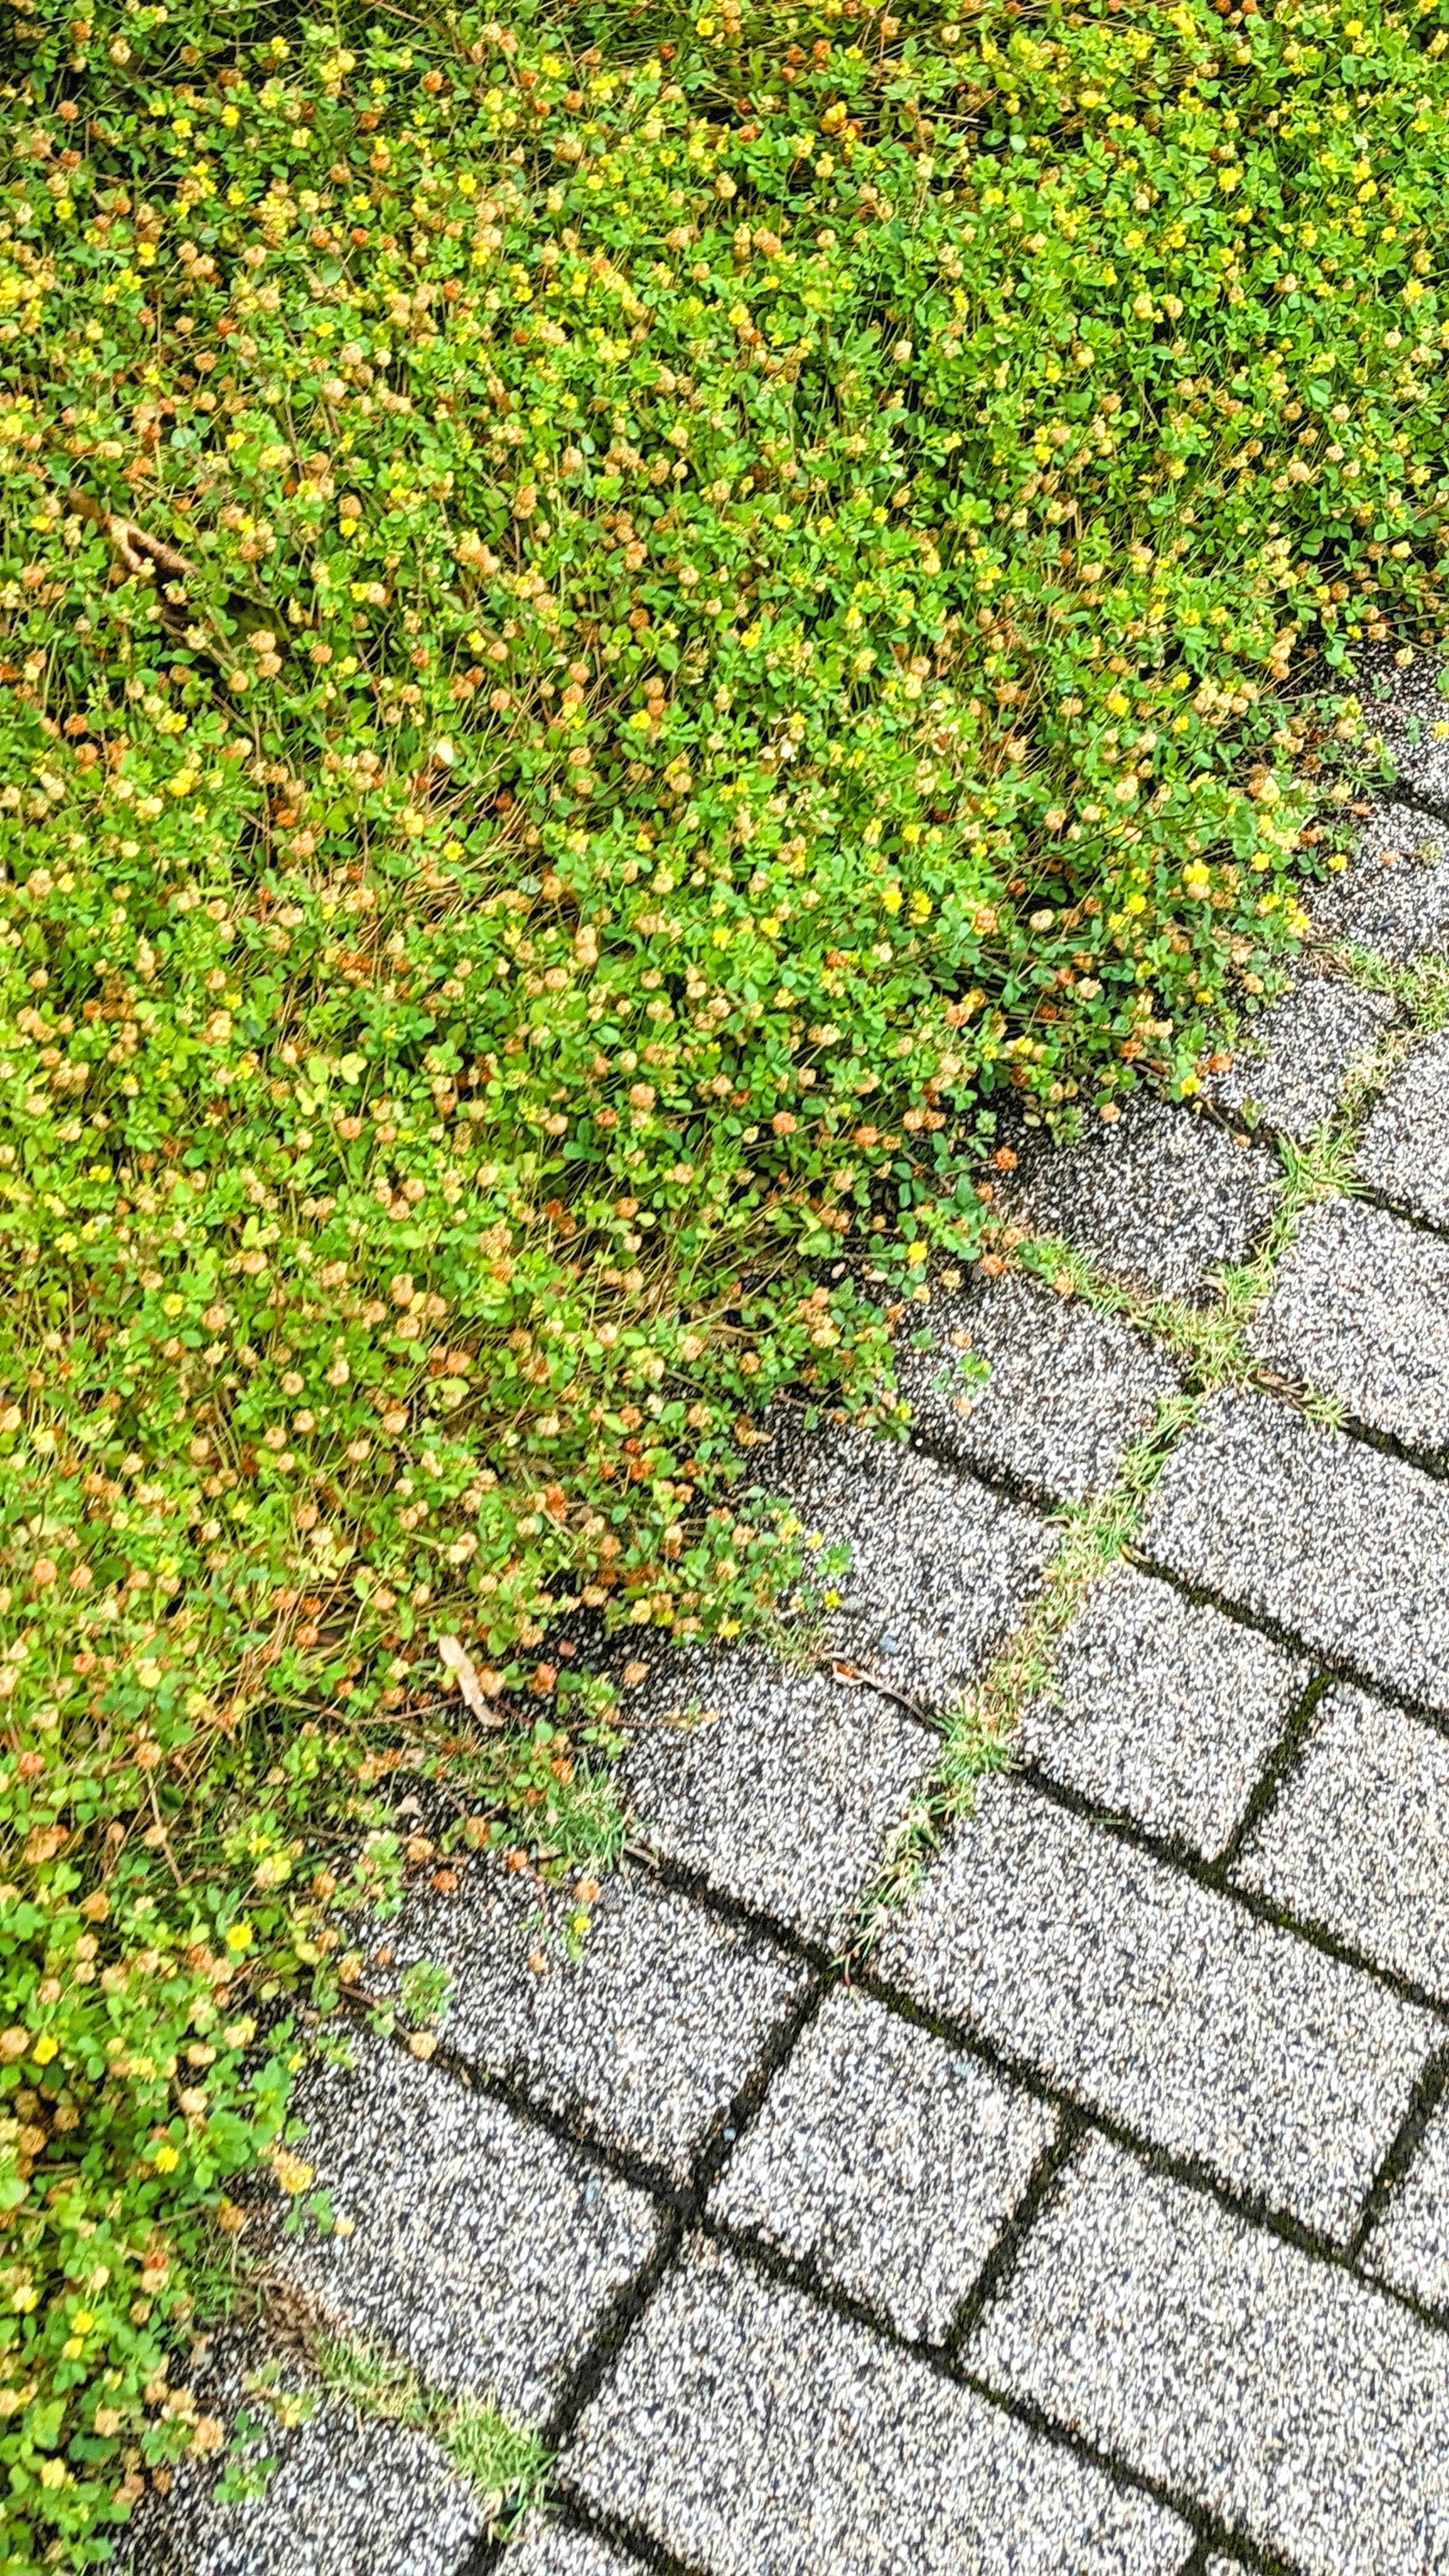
[(1069, 1389), (484, 2251), (1360, 1312), (1357, 1838), (1163, 2005), (1405, 1148), (1296, 2403), (1291, 1064), (941, 1568), (1394, 895), (751, 2433), (781, 1790), (645, 2038), (1161, 1709), (1321, 1534), (887, 2159), (1409, 2246), (1158, 1201), (1405, 708), (348, 2496)]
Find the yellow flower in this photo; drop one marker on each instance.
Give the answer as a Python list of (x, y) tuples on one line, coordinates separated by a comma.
[(166, 2158), (240, 1937), (44, 2050)]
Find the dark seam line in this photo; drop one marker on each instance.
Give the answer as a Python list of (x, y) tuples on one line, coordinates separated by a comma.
[(1284, 1759), (1042, 2185), (1338, 1666), (1213, 1877), (1403, 2148), (780, 2270), (1252, 2208)]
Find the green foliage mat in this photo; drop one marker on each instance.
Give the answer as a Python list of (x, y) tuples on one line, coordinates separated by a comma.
[(617, 627)]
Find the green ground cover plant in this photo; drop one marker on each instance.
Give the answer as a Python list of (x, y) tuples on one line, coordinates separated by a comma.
[(620, 626)]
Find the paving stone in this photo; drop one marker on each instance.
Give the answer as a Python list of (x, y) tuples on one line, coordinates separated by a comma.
[(1296, 2403), (1162, 1709), (1069, 1389), (349, 2496), (1360, 1311), (485, 2251), (1393, 897), (887, 2159), (1405, 1148), (941, 1569), (752, 2433), (1156, 1201), (1405, 709), (1291, 1064), (1409, 2246), (549, 2549), (781, 1790), (1356, 1840), (1163, 2005), (645, 2039), (1321, 1534)]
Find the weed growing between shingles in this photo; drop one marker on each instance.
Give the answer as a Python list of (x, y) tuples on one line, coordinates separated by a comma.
[(978, 1735), (618, 624)]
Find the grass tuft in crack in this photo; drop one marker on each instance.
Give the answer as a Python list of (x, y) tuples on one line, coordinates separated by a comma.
[(505, 2463), (979, 1732)]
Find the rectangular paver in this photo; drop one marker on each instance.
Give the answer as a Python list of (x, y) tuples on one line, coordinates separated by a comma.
[(1163, 2005), (1162, 1709), (1409, 2245), (1158, 1200), (552, 2549), (1405, 1148), (1290, 1066), (1394, 895), (780, 1789), (941, 1568), (645, 2038), (1326, 1537), (1356, 1840), (752, 2433), (1069, 1389), (1291, 2400), (1360, 1312), (888, 2160), (482, 2249), (347, 2492), (1406, 710)]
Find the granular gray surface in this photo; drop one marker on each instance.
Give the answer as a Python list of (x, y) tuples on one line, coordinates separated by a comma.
[(1360, 1312), (644, 2039), (1157, 1201), (941, 1568), (1290, 1065), (349, 2496), (780, 1790), (1393, 897), (485, 2251), (1161, 1709), (1347, 1549), (1304, 2408), (1069, 1389), (1357, 1840), (1405, 709), (1405, 1148), (886, 2159), (1409, 2245), (552, 2549), (753, 2434), (1163, 2005)]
